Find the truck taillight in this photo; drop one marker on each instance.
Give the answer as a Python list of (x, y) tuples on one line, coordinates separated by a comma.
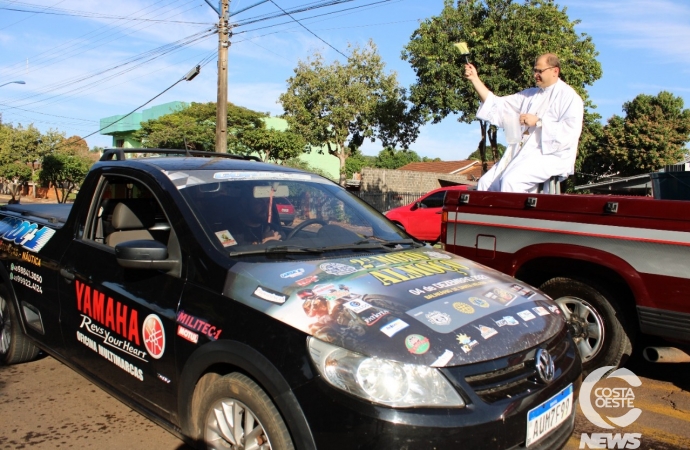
[(444, 217)]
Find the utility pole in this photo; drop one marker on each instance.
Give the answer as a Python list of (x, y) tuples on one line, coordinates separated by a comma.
[(222, 101)]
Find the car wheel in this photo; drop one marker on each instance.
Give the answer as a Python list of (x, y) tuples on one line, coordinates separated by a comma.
[(15, 346), (288, 223), (595, 321), (237, 414)]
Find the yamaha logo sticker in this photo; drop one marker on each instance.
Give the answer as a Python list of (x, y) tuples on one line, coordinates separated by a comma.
[(154, 336)]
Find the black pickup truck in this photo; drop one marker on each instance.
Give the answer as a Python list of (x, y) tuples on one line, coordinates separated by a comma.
[(172, 283)]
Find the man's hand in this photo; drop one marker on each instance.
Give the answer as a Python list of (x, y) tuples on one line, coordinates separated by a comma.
[(529, 120), (273, 237), (471, 73)]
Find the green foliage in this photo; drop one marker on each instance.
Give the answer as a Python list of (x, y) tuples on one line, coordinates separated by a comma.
[(504, 37), (65, 172), (652, 134), (356, 162), (389, 158), (270, 144), (339, 105), (476, 156), (194, 127)]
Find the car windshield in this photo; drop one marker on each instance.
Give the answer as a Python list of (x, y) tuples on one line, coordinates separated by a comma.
[(285, 213)]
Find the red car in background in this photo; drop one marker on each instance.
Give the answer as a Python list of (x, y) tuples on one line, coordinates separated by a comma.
[(286, 210), (422, 218)]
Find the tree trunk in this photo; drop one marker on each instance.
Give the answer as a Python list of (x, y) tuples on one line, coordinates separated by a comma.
[(342, 156), (482, 146), (493, 132)]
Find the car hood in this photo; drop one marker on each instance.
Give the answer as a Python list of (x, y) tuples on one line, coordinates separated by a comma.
[(419, 306)]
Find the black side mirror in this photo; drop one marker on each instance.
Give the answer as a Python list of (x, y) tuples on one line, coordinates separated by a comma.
[(144, 254)]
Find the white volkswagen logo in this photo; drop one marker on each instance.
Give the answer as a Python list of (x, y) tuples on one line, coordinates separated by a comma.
[(545, 366)]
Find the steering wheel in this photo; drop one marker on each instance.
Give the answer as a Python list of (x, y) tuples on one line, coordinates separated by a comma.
[(305, 224)]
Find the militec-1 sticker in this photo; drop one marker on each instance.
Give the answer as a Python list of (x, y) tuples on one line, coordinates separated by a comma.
[(198, 325), (154, 336), (25, 234)]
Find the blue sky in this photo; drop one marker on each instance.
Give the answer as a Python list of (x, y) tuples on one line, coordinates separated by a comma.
[(65, 51)]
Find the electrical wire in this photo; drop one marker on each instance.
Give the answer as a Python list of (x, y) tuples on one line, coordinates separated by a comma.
[(57, 54), (311, 32)]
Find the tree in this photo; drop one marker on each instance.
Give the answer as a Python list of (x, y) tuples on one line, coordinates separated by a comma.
[(476, 156), (65, 172), (652, 134), (194, 127), (356, 162), (337, 105), (270, 144), (389, 158), (505, 38)]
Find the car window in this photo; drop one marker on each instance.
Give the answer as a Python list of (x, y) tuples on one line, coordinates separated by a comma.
[(435, 200), (126, 209)]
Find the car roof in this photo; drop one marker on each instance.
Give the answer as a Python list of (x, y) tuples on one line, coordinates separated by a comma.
[(168, 160)]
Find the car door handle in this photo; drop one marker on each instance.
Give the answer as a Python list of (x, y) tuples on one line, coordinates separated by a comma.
[(69, 276), (439, 212)]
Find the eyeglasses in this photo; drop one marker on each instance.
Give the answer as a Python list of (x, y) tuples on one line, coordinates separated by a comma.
[(540, 71)]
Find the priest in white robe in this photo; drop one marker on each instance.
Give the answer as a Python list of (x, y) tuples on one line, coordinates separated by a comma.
[(544, 122)]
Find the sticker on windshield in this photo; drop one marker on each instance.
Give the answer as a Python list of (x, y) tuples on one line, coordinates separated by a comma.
[(225, 238), (244, 175)]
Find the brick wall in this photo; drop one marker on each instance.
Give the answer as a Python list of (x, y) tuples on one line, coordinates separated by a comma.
[(386, 180)]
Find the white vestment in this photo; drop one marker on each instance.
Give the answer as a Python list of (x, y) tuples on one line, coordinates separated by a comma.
[(545, 151)]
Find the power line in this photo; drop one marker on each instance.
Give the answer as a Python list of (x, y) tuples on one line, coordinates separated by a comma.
[(102, 16), (71, 50), (314, 34)]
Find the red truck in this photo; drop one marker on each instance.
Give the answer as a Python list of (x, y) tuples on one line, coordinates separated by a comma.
[(617, 266)]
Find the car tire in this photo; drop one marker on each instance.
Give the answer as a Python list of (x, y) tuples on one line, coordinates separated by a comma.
[(15, 346), (288, 223), (236, 395), (596, 322)]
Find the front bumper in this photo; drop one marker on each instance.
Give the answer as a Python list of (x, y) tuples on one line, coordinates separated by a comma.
[(494, 418)]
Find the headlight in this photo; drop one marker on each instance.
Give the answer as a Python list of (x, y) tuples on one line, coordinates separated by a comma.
[(383, 381)]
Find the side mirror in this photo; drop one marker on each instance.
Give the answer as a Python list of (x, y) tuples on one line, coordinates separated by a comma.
[(144, 254)]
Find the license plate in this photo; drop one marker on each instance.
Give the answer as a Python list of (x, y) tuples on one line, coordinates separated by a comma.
[(284, 210), (549, 415)]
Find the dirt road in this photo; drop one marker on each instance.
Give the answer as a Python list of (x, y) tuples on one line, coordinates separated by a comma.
[(46, 405)]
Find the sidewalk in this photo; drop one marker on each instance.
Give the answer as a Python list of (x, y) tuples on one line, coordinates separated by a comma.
[(25, 199)]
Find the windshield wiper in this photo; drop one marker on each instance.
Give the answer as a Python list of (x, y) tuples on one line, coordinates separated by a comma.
[(368, 244), (278, 249)]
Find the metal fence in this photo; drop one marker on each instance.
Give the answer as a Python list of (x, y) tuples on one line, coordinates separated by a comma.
[(383, 201)]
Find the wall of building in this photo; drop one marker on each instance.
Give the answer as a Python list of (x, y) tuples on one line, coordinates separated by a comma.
[(386, 180), (329, 164)]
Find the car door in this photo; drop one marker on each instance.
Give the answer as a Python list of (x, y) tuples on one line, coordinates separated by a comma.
[(425, 217), (118, 323)]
